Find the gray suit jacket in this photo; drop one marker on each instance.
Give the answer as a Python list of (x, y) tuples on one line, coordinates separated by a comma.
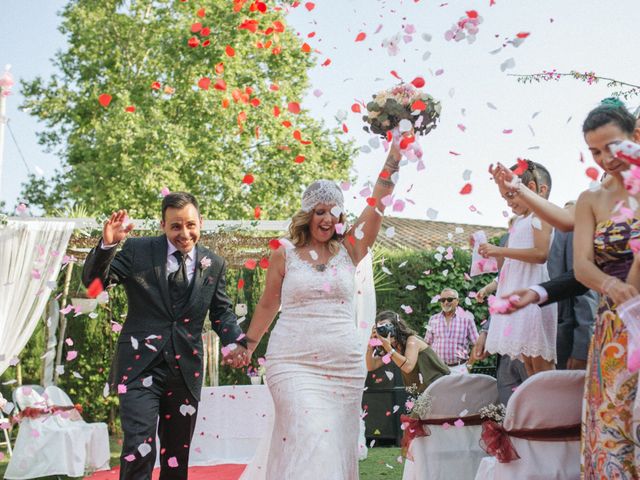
[(151, 319), (576, 314)]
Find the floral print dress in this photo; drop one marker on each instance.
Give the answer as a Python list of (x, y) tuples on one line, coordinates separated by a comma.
[(610, 429)]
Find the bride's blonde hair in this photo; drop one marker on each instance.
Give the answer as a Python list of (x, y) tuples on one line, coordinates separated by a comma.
[(299, 232)]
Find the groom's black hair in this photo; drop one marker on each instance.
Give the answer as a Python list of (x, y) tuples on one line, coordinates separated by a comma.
[(178, 200)]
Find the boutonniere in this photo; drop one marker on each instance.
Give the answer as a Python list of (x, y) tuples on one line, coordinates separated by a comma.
[(205, 263)]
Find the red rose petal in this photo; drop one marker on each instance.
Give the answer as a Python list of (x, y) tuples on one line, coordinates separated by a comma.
[(294, 107), (156, 86), (104, 99), (264, 263), (472, 14), (372, 201), (418, 82), (355, 108), (130, 109), (592, 173), (523, 34), (204, 83), (200, 13), (395, 74), (95, 288), (250, 264), (240, 284), (309, 6), (306, 48), (466, 189), (220, 84), (521, 168), (361, 36), (274, 244), (196, 27), (193, 42), (257, 212), (229, 51), (299, 159), (248, 179)]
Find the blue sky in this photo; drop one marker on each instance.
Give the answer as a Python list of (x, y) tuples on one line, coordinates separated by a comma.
[(544, 120)]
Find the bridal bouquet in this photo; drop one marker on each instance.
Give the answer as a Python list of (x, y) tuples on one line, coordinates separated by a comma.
[(403, 106)]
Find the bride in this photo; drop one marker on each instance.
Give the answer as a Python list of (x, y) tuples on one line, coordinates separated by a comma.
[(315, 364)]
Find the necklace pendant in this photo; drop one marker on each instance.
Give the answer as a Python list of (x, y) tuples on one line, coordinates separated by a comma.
[(321, 267)]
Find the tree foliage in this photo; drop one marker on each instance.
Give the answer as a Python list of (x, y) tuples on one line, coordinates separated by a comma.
[(135, 108)]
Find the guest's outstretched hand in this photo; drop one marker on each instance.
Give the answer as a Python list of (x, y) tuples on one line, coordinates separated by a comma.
[(116, 228), (520, 299)]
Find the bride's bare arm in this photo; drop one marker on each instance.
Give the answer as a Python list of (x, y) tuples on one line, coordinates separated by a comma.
[(269, 302), (366, 228)]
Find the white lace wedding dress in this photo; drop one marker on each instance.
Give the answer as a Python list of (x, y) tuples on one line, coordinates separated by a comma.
[(315, 372)]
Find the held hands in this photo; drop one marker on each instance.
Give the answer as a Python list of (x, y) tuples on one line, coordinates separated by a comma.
[(237, 358), (114, 229), (479, 353)]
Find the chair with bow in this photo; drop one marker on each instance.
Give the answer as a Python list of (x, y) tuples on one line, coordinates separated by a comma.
[(47, 444), (446, 444), (540, 435)]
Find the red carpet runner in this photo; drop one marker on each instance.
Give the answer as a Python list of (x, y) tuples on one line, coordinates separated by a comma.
[(216, 472)]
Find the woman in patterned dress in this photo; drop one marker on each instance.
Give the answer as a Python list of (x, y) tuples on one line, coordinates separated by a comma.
[(602, 257)]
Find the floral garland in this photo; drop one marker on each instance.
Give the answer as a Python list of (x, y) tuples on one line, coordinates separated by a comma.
[(626, 91)]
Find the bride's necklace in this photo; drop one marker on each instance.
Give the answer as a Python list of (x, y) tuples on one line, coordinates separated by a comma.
[(318, 267)]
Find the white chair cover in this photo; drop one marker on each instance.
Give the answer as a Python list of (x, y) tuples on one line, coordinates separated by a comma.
[(544, 400), (453, 452), (55, 444)]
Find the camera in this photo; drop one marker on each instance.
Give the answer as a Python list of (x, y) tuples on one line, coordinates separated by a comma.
[(386, 330)]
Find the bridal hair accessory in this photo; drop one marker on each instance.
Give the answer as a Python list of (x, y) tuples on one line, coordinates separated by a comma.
[(322, 191)]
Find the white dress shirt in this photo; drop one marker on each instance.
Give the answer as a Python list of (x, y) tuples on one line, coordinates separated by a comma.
[(172, 261)]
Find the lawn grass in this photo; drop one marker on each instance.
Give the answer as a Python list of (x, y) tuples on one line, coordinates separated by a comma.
[(381, 462)]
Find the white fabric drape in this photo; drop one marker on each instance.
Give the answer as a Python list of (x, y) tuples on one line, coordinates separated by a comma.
[(31, 254), (365, 317)]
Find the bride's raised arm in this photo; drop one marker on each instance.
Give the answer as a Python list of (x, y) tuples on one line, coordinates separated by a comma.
[(361, 236)]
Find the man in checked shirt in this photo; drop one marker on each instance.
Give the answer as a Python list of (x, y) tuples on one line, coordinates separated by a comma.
[(452, 332)]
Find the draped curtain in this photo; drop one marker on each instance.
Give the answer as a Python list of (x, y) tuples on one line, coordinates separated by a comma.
[(31, 254)]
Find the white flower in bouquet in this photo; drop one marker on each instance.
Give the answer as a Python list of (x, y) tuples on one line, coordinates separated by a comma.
[(418, 405), (3, 402), (495, 412)]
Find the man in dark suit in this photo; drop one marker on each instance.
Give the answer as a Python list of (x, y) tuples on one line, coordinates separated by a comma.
[(171, 283)]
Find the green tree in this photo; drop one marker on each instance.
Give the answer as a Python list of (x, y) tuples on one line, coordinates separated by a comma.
[(138, 106)]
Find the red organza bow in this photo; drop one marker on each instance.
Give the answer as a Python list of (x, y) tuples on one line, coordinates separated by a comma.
[(34, 412), (496, 442), (413, 428)]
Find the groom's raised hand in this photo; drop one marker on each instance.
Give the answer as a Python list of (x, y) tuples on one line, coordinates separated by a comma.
[(116, 228)]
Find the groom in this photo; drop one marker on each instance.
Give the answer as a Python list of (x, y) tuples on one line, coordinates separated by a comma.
[(171, 283)]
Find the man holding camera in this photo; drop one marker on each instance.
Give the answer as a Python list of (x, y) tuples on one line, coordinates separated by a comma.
[(451, 332)]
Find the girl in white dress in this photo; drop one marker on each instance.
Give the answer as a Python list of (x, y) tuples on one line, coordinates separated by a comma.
[(314, 361), (529, 333)]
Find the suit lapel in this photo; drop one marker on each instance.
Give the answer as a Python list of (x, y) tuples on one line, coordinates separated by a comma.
[(160, 267)]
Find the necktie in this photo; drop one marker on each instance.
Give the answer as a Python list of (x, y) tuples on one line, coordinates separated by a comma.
[(178, 280)]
